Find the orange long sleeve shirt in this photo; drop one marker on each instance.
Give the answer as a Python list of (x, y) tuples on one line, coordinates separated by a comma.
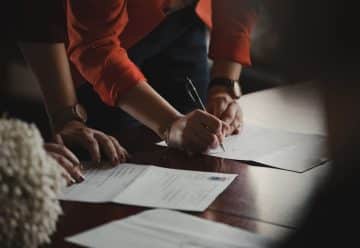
[(100, 32)]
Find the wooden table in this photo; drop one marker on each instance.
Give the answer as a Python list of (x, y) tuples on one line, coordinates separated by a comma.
[(262, 200)]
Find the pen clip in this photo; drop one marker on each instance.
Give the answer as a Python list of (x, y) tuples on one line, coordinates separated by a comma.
[(190, 90), (194, 95)]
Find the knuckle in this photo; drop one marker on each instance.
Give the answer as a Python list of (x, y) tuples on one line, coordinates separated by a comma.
[(217, 124), (85, 131), (62, 149), (198, 112), (89, 139), (109, 143), (213, 139), (237, 123), (228, 117), (62, 160)]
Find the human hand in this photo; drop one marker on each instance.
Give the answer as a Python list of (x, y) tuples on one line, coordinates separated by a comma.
[(196, 132), (66, 159), (76, 133), (223, 106)]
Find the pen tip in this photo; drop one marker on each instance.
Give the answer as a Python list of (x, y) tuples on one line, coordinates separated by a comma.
[(222, 147)]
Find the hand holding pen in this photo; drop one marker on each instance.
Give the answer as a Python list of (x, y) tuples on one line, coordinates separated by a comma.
[(194, 95), (195, 132)]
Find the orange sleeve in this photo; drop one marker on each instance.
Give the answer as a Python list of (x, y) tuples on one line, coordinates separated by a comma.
[(94, 47), (232, 22)]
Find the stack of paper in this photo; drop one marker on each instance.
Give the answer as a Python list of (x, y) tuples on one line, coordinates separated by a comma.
[(273, 147), (150, 186), (167, 229)]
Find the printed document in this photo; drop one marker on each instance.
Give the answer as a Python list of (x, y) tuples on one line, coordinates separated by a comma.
[(167, 229), (150, 186), (274, 147)]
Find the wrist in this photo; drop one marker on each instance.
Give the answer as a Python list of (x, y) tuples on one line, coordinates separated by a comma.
[(223, 87), (165, 129), (74, 113), (226, 69), (218, 90)]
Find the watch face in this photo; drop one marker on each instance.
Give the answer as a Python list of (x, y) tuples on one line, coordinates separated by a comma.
[(236, 89), (81, 112)]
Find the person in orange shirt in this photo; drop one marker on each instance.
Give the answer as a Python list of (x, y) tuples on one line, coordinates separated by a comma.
[(136, 56)]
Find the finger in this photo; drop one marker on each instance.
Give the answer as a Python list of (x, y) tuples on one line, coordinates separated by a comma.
[(207, 138), (239, 129), (193, 144), (235, 125), (210, 121), (226, 130), (73, 171), (107, 147), (62, 150), (230, 113), (220, 132), (69, 180), (217, 107), (58, 139), (92, 146), (200, 139), (123, 155)]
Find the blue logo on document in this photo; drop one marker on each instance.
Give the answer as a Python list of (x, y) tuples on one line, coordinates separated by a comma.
[(217, 178)]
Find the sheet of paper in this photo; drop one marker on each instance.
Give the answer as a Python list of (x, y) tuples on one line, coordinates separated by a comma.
[(295, 108), (103, 184), (175, 189), (167, 229), (150, 186), (273, 147)]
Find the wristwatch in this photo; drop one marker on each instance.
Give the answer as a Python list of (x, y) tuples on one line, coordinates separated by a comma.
[(232, 86), (70, 113)]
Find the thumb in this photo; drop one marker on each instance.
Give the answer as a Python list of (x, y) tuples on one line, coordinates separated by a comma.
[(229, 114)]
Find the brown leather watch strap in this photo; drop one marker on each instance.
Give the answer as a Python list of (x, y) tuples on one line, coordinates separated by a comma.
[(232, 86), (67, 114)]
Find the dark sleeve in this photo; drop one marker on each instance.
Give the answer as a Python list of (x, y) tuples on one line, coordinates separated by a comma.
[(41, 21)]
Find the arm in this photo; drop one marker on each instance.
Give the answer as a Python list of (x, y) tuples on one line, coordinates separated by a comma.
[(230, 49), (98, 54), (50, 64)]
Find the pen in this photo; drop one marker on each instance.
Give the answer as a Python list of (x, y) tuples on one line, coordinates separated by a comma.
[(194, 95)]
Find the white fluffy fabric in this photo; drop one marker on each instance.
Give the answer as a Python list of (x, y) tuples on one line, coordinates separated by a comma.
[(30, 181)]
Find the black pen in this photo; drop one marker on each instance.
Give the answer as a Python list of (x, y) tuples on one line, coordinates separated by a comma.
[(194, 95)]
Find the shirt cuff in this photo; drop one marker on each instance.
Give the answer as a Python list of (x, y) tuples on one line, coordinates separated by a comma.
[(234, 48)]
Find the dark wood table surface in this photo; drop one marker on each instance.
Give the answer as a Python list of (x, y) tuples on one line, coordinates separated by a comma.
[(262, 200)]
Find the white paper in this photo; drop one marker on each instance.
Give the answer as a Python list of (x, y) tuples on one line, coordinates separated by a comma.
[(295, 108), (167, 229), (273, 147), (150, 186), (103, 184)]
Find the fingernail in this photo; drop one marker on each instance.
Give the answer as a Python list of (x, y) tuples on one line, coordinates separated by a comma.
[(71, 182), (81, 178)]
